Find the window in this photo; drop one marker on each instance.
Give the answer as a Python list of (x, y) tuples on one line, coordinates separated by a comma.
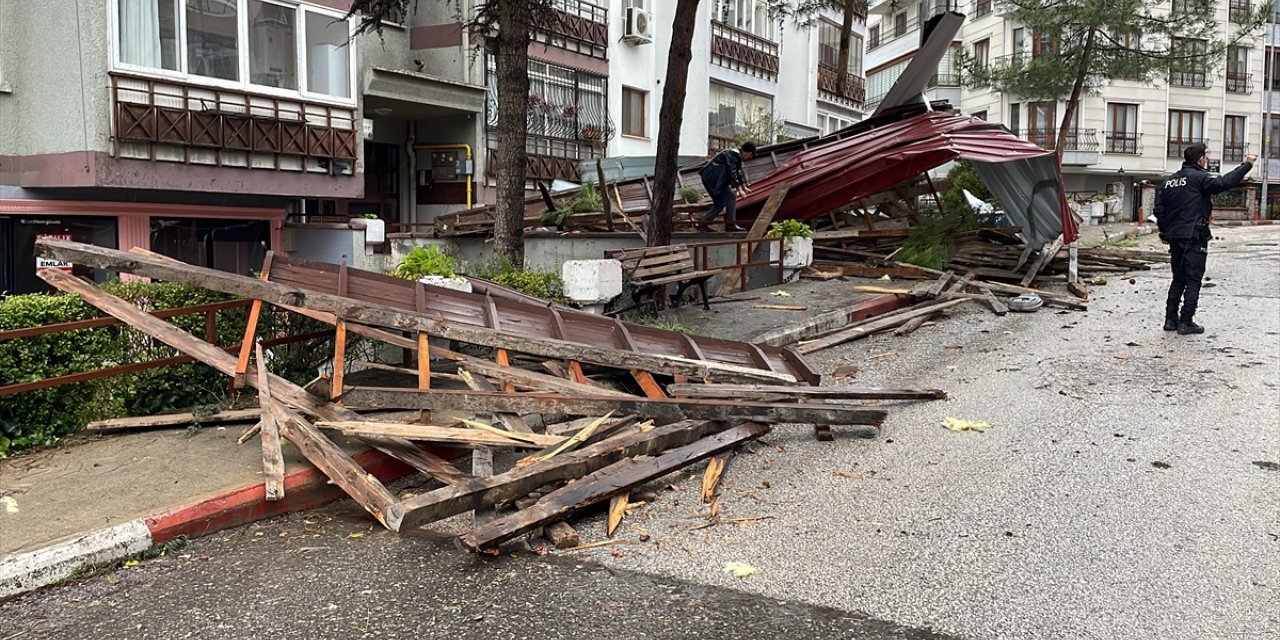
[(981, 53), (1018, 43), (1015, 117), (948, 74), (1042, 45), (1042, 123), (981, 8), (1185, 129), (633, 112), (1271, 69), (1238, 78), (1238, 11), (733, 111), (1273, 137), (829, 47), (829, 123), (900, 24), (879, 83), (1190, 67), (753, 16), (1233, 140), (243, 43), (873, 37), (1122, 128), (981, 115)]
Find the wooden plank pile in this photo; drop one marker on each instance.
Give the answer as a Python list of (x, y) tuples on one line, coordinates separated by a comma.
[(587, 423)]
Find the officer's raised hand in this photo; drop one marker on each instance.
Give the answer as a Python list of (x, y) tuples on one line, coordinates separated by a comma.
[(1251, 158)]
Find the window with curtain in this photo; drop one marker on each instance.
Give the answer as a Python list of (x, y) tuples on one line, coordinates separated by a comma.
[(328, 55), (1042, 123), (753, 16), (149, 33), (731, 110), (829, 47), (1233, 140), (1185, 129), (1015, 117), (633, 112), (273, 55), (1122, 128)]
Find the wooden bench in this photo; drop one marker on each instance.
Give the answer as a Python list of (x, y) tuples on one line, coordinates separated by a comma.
[(649, 270)]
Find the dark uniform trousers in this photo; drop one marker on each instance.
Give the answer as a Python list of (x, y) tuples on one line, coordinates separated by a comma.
[(1187, 257)]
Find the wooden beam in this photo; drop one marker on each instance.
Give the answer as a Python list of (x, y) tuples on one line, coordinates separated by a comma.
[(660, 410), (504, 487), (1046, 255), (525, 379), (512, 421), (272, 457), (445, 435), (765, 393), (877, 323), (918, 321), (602, 485), (561, 534), (335, 463), (386, 316), (648, 384), (171, 420), (250, 327), (997, 305), (211, 355), (758, 228)]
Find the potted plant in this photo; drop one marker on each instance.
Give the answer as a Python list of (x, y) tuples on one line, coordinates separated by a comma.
[(797, 243), (375, 228), (591, 133), (430, 265), (690, 195)]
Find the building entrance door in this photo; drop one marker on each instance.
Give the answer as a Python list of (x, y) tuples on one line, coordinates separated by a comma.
[(6, 256)]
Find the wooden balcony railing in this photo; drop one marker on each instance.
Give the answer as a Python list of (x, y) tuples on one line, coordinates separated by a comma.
[(736, 49), (580, 26), (828, 85), (193, 117)]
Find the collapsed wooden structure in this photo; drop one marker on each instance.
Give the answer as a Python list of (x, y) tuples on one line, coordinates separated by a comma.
[(672, 398)]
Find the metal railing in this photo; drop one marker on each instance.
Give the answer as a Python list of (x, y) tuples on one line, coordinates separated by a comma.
[(742, 51), (1077, 139), (1124, 142), (890, 31), (743, 258), (1175, 147), (1197, 79), (1239, 82), (1238, 11), (944, 80), (1234, 152)]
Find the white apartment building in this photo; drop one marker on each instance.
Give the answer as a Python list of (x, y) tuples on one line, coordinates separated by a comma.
[(1126, 132)]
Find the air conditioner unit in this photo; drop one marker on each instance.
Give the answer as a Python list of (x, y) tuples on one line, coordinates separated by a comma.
[(639, 27)]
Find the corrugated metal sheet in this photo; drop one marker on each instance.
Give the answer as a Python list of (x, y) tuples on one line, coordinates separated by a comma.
[(1023, 176), (909, 87)]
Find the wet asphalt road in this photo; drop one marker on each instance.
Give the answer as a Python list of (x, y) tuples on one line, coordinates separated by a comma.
[(1128, 487)]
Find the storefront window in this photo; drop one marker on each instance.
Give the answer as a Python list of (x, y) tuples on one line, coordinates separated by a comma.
[(19, 264)]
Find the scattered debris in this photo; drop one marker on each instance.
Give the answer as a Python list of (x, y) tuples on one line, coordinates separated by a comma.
[(739, 569), (957, 424)]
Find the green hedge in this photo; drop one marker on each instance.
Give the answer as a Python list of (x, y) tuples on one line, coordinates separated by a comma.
[(37, 418)]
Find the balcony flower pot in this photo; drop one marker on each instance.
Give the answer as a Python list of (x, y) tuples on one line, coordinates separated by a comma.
[(457, 283)]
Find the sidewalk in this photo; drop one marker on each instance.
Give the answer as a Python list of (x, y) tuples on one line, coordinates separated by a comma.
[(99, 499)]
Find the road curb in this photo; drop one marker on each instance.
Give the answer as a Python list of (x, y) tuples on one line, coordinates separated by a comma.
[(1245, 223), (304, 489)]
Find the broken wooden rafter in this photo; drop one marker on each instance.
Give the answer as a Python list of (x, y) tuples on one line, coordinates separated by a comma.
[(272, 457), (386, 316), (876, 323), (660, 410), (443, 435), (172, 420), (504, 487), (764, 393), (601, 485)]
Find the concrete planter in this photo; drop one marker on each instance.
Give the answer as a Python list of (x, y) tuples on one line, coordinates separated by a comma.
[(457, 284), (797, 252), (375, 231)]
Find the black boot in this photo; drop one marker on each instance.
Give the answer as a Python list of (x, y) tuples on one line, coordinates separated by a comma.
[(1189, 327), (1171, 319)]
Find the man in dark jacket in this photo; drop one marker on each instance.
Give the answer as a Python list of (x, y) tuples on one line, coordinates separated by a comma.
[(724, 180), (1183, 211)]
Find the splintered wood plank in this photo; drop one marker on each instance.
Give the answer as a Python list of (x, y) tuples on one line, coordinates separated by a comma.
[(335, 463), (505, 361), (444, 435), (383, 315), (250, 327), (505, 487), (272, 457), (877, 323), (648, 384), (711, 477), (283, 390), (424, 344), (575, 372), (767, 393), (171, 420), (918, 321), (482, 467), (997, 305), (512, 421), (339, 359), (660, 410), (617, 509), (615, 479), (938, 285), (532, 380), (1046, 255)]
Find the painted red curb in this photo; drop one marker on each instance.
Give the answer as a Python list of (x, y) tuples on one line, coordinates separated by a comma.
[(1245, 223), (303, 489), (880, 305)]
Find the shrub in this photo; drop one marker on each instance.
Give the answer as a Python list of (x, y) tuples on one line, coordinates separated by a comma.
[(543, 284), (585, 200), (426, 261), (690, 195), (932, 240), (789, 229)]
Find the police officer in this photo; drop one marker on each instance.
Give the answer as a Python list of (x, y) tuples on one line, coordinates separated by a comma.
[(1183, 211)]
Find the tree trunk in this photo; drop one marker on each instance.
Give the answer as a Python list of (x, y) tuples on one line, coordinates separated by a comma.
[(512, 53), (842, 67), (670, 120), (1076, 89)]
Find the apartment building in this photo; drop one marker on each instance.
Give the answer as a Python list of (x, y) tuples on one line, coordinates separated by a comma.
[(199, 128), (1129, 132)]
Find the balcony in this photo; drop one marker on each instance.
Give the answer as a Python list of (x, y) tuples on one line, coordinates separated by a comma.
[(944, 80), (1197, 79), (1234, 152), (890, 31), (745, 52), (828, 87), (1122, 142), (580, 26), (1080, 147), (1175, 147), (190, 123), (1238, 82), (1238, 11)]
